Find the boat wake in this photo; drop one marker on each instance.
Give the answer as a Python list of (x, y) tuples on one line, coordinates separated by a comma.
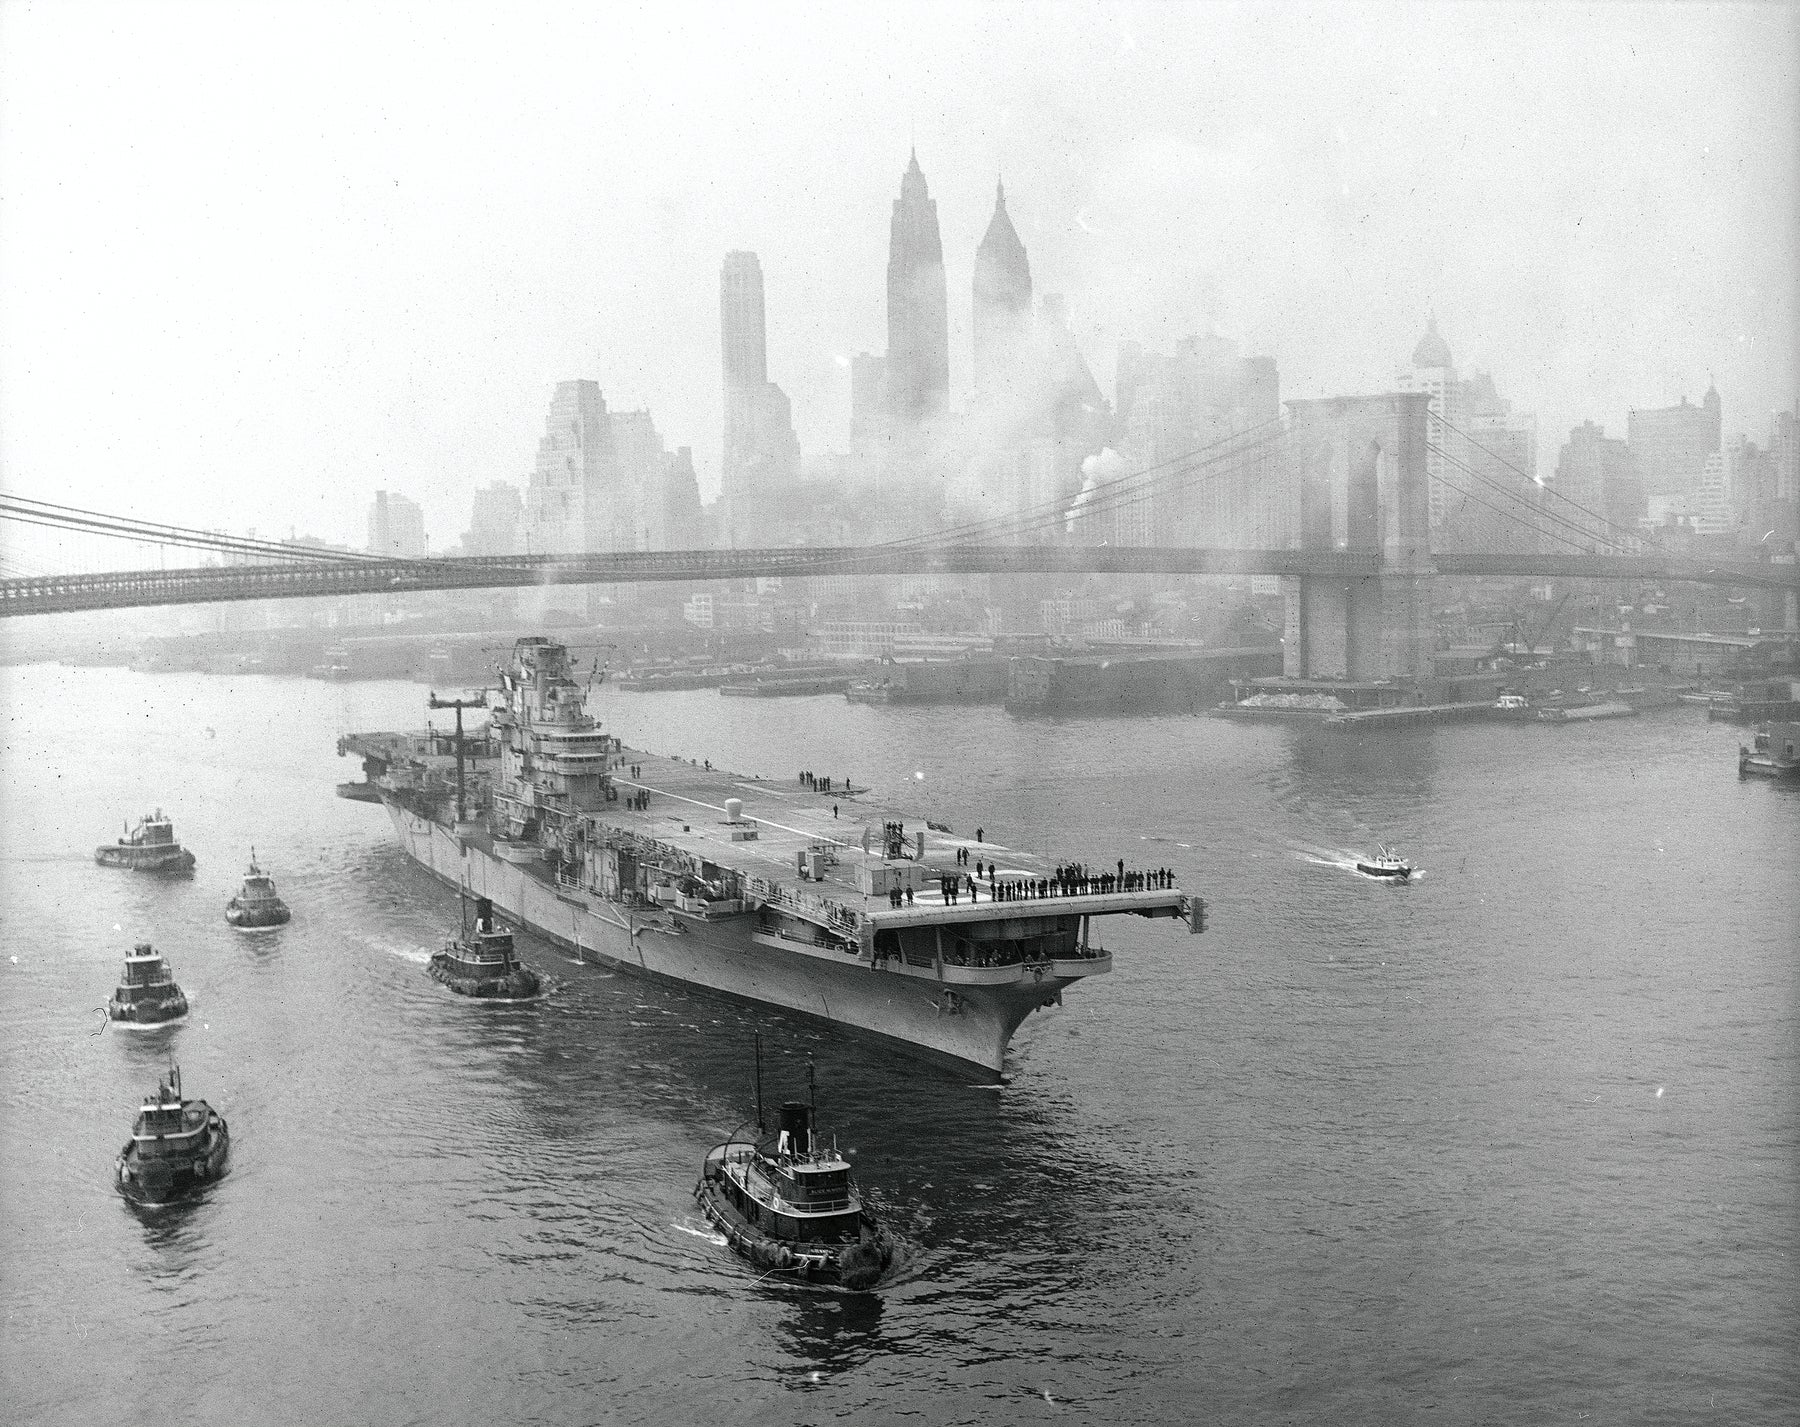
[(154, 1025), (418, 955), (1345, 861), (703, 1232)]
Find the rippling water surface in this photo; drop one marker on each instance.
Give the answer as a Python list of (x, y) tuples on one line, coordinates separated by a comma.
[(1517, 1143)]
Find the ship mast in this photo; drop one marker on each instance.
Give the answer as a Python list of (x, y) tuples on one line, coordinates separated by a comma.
[(459, 705)]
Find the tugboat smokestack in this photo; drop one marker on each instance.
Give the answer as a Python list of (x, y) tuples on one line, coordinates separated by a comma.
[(796, 1124)]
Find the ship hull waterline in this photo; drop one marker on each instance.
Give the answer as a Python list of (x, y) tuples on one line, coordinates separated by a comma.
[(967, 1032)]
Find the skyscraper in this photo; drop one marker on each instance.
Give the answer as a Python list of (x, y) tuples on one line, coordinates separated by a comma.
[(1002, 303), (495, 520), (761, 454), (570, 503), (1174, 405), (1671, 443), (396, 527), (918, 355), (744, 342), (1602, 490), (1432, 371)]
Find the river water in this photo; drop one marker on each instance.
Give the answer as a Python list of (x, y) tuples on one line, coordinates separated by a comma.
[(1517, 1143)]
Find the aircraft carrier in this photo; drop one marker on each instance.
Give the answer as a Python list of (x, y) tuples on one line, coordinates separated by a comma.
[(821, 902)]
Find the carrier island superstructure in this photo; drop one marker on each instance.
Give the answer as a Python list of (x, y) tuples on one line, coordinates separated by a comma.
[(774, 892)]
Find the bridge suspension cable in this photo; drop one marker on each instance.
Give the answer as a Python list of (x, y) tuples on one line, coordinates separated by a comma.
[(1554, 494), (1203, 464), (25, 511), (1536, 530), (1587, 537)]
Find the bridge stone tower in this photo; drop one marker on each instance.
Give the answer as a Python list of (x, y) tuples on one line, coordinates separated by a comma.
[(1361, 466)]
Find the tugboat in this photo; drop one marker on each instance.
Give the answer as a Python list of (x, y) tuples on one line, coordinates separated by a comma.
[(148, 996), (148, 847), (175, 1145), (788, 1204), (1773, 756), (1387, 864), (256, 907), (481, 962)]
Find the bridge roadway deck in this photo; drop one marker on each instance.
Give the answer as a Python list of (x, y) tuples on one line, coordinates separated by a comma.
[(301, 579)]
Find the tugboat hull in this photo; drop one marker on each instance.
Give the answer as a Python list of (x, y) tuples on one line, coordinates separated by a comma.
[(161, 1181), (1392, 874), (147, 1015), (856, 1267), (521, 984), (173, 862), (253, 919)]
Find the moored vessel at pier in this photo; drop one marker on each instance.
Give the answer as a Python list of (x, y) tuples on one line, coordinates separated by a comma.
[(175, 1145), (148, 995), (256, 907), (148, 847), (1773, 754), (801, 897)]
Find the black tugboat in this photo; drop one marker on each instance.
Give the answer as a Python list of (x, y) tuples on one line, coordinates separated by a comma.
[(148, 847), (148, 996), (257, 906), (175, 1145), (789, 1205), (482, 962)]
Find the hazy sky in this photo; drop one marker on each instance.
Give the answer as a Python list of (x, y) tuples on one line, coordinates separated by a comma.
[(258, 260)]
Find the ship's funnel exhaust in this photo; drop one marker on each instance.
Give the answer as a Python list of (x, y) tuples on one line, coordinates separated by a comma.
[(795, 1120)]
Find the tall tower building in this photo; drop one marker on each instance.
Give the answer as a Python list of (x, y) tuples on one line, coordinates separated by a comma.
[(1002, 302), (918, 356), (744, 335), (761, 453), (1432, 371), (571, 502)]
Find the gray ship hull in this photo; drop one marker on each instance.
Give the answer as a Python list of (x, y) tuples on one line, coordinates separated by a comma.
[(962, 1018)]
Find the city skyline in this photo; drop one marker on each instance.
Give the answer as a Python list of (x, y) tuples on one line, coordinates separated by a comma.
[(408, 340)]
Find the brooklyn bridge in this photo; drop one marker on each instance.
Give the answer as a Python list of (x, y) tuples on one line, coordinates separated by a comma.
[(1357, 571)]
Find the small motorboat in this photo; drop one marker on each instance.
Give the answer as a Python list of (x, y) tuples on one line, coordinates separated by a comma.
[(1387, 864), (175, 1145), (256, 907), (148, 847), (482, 962), (148, 996), (789, 1204)]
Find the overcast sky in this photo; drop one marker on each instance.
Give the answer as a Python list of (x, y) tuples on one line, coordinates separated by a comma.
[(257, 261)]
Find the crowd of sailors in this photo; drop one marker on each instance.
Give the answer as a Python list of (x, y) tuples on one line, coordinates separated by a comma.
[(823, 785), (1070, 880)]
